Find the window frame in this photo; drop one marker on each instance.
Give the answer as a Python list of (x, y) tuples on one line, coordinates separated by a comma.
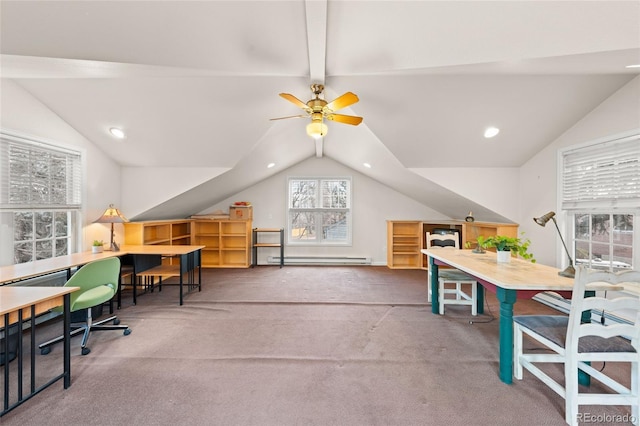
[(604, 203), (61, 199), (318, 212)]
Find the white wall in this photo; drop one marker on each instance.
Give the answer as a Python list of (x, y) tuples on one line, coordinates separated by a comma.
[(28, 116), (146, 187), (479, 184), (373, 205), (538, 193)]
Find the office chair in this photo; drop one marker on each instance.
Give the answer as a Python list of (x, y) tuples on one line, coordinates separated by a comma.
[(98, 282)]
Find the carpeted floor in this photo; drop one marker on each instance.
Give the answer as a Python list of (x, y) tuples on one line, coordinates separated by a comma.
[(294, 346)]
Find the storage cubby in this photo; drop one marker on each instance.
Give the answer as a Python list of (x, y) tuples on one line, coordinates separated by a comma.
[(227, 242), (165, 232)]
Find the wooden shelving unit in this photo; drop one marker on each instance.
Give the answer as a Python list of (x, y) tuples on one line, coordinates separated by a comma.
[(166, 232), (405, 238), (404, 241), (159, 232), (257, 244), (227, 242)]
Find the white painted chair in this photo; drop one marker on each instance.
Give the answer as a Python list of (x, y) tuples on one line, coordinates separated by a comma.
[(576, 344), (452, 283)]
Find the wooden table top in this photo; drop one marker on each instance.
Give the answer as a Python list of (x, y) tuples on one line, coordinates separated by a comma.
[(518, 274), (22, 271), (15, 298)]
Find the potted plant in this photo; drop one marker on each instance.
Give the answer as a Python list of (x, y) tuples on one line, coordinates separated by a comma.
[(479, 248), (506, 246), (97, 247)]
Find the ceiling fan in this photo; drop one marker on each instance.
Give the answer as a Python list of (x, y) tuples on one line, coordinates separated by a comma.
[(319, 109)]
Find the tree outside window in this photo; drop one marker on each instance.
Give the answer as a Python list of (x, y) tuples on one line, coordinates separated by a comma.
[(319, 210)]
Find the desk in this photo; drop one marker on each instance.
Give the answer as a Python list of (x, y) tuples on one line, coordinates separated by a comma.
[(18, 304), (509, 281), (190, 259)]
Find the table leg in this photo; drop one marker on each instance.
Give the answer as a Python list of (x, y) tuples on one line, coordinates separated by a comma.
[(480, 298), (199, 265), (434, 286), (67, 340), (507, 299), (182, 264)]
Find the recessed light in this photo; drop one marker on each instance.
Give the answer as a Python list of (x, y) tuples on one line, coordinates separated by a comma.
[(491, 132), (633, 66), (118, 133), (367, 165), (270, 165)]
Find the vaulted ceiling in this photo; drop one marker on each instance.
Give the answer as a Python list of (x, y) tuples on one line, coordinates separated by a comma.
[(195, 83)]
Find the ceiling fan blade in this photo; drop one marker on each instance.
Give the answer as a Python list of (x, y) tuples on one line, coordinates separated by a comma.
[(290, 116), (297, 102), (346, 119), (342, 102)]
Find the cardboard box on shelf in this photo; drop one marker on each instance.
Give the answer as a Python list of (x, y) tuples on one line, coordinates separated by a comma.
[(240, 212)]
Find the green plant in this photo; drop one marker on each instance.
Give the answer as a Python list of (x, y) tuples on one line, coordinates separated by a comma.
[(479, 244), (515, 245), (97, 243)]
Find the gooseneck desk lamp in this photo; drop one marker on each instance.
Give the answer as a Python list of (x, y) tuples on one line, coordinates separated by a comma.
[(112, 215), (570, 271)]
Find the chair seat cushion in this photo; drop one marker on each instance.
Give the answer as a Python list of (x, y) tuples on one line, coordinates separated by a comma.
[(93, 297), (454, 275), (554, 328)]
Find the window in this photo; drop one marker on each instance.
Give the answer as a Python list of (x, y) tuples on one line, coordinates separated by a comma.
[(319, 211), (604, 240), (601, 195), (39, 198)]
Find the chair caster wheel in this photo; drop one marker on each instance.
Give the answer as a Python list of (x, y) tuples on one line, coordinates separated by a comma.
[(85, 351), (45, 351), (116, 321), (127, 332)]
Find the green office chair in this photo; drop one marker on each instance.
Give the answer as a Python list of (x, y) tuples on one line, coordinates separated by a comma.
[(98, 282)]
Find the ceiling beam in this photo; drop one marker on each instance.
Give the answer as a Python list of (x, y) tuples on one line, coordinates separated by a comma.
[(316, 11)]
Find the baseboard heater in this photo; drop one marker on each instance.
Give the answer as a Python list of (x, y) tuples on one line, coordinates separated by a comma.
[(320, 260)]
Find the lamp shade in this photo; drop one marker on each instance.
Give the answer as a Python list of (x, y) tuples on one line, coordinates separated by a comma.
[(111, 215), (542, 220)]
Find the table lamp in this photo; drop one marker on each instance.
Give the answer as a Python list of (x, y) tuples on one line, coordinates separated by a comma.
[(112, 215), (570, 271)]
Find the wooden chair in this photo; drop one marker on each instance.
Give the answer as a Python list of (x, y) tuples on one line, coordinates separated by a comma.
[(577, 341), (451, 282)]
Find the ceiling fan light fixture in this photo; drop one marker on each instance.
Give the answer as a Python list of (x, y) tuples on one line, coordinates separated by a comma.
[(317, 129)]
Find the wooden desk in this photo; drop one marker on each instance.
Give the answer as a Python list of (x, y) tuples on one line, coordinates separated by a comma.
[(509, 281), (189, 256), (18, 304)]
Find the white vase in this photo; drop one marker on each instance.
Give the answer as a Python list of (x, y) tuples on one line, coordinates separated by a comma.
[(503, 256), (97, 249)]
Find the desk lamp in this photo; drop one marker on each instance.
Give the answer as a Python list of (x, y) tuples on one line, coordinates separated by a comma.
[(570, 271), (112, 215)]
